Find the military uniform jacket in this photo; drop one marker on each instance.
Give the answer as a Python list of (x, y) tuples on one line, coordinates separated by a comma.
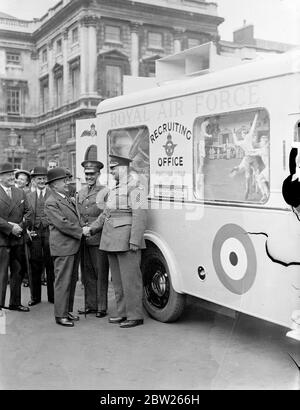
[(89, 209), (123, 219), (64, 225), (12, 209), (32, 203)]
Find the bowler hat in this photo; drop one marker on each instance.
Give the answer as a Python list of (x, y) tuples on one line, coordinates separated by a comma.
[(22, 171), (56, 173), (38, 172), (116, 160), (92, 165), (6, 168)]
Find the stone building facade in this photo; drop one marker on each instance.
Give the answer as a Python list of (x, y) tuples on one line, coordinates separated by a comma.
[(56, 69)]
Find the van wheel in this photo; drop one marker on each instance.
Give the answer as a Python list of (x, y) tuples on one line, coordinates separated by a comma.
[(160, 299)]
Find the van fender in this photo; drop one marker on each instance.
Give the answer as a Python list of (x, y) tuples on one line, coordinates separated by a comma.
[(169, 256)]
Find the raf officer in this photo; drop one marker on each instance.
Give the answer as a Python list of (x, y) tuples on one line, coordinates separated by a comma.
[(39, 238), (94, 261), (13, 208), (124, 222), (65, 238)]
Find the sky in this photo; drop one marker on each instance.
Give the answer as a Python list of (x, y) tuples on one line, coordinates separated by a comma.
[(276, 20)]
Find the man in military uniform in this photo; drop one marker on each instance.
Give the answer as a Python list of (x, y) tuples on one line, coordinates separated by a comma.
[(94, 262), (124, 222), (13, 208), (39, 238)]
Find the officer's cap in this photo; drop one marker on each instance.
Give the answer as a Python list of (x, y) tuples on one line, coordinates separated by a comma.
[(92, 166), (116, 160)]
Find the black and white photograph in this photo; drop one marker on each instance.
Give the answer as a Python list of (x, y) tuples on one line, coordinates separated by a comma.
[(149, 198)]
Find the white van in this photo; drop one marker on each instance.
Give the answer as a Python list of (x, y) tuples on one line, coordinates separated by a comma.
[(214, 149)]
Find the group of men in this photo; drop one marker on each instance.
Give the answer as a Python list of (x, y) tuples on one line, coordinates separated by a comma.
[(96, 228)]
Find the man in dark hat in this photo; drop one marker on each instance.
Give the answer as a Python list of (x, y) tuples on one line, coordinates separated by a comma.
[(124, 222), (94, 262), (13, 208), (39, 238), (65, 238)]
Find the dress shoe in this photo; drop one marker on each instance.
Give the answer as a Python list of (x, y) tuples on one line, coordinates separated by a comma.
[(73, 317), (117, 319), (131, 323), (101, 313), (64, 321), (86, 311), (33, 302), (19, 308)]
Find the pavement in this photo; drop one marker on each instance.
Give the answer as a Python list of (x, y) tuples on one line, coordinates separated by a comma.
[(208, 348)]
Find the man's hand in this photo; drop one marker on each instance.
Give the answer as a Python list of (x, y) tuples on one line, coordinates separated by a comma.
[(86, 231), (133, 247), (16, 229)]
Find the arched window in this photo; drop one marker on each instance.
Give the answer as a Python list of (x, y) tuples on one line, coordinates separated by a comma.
[(91, 153)]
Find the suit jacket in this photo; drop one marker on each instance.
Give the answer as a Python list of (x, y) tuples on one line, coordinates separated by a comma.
[(12, 210), (32, 200), (89, 209), (122, 223), (64, 225)]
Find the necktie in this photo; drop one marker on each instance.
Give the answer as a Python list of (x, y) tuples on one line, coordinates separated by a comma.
[(8, 191)]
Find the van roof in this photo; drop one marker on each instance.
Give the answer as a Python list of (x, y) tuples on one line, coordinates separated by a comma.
[(270, 67)]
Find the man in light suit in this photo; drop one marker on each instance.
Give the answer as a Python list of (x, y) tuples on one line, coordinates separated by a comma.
[(124, 223), (38, 224), (94, 262), (65, 237), (13, 208)]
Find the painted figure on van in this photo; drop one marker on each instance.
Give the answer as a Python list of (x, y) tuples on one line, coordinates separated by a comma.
[(233, 164)]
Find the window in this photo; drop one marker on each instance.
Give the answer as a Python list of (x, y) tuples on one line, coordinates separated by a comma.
[(42, 161), (231, 157), (13, 58), (19, 141), (17, 162), (75, 35), (72, 131), (193, 42), (75, 82), (44, 86), (56, 136), (44, 56), (113, 80), (59, 46), (43, 140), (13, 101), (155, 40), (132, 143), (73, 163), (113, 34), (58, 91)]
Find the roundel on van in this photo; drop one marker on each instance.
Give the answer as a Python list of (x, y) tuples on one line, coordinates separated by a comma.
[(234, 258)]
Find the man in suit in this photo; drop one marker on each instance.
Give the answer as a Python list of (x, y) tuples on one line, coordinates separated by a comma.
[(65, 238), (13, 208), (94, 262), (124, 222), (39, 238)]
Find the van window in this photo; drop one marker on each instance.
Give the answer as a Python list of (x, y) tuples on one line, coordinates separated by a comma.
[(132, 143), (231, 157)]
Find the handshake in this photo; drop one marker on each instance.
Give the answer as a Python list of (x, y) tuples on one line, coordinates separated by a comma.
[(86, 231)]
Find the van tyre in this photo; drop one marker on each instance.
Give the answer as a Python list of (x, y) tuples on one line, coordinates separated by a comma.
[(160, 299)]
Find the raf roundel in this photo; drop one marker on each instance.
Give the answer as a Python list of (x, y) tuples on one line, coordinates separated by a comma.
[(234, 258)]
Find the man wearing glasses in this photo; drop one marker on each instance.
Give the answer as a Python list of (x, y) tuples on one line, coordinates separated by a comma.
[(39, 238), (94, 262)]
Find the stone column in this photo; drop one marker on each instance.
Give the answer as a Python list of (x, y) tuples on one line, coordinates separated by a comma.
[(83, 56), (135, 48), (178, 36), (91, 23), (51, 77), (66, 78)]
